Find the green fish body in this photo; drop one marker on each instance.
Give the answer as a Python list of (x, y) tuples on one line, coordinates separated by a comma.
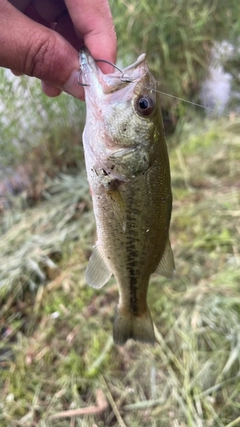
[(129, 176)]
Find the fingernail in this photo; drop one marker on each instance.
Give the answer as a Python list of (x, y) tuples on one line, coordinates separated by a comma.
[(72, 86), (49, 90), (16, 73)]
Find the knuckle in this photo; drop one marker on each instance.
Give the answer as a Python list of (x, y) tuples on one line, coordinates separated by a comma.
[(40, 57)]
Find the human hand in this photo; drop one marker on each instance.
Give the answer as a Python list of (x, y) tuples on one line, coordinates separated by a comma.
[(41, 38)]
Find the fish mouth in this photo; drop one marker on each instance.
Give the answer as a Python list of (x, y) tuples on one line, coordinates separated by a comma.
[(93, 76)]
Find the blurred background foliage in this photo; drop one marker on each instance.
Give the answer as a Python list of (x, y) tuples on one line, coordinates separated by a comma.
[(177, 36), (29, 119)]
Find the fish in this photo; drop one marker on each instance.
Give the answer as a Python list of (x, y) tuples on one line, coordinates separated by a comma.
[(128, 172)]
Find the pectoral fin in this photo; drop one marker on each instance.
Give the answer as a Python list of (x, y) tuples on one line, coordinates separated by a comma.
[(166, 267), (118, 207), (97, 273)]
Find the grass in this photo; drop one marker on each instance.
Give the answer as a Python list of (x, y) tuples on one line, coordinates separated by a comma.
[(56, 350), (29, 119), (177, 36), (58, 364)]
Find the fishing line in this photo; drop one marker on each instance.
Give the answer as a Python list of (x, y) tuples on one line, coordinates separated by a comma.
[(189, 102), (129, 80), (180, 99)]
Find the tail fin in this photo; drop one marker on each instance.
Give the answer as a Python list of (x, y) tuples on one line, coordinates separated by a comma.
[(128, 325)]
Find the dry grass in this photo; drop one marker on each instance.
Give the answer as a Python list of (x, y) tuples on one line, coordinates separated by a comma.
[(56, 349)]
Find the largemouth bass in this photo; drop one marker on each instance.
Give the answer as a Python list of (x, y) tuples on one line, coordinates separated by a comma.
[(128, 172)]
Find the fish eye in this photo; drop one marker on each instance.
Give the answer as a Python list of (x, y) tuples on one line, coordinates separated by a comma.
[(145, 105)]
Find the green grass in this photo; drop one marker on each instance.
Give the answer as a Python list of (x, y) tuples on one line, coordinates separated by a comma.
[(56, 348), (177, 37), (30, 119)]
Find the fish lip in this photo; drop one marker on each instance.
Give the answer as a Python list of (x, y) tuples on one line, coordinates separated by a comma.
[(87, 65), (113, 81), (136, 64), (86, 61)]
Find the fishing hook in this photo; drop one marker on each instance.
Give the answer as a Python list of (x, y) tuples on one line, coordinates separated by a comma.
[(129, 80), (79, 75), (122, 78)]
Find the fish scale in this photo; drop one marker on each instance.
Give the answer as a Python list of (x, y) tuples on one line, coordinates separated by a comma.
[(129, 176)]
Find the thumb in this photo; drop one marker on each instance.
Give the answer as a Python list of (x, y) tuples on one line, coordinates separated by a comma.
[(32, 49)]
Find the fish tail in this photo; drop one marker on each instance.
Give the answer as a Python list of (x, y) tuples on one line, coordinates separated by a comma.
[(129, 325)]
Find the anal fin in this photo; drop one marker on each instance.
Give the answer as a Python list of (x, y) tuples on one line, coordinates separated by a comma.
[(97, 273), (166, 267)]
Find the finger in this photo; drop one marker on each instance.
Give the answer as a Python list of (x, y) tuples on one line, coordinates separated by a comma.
[(16, 73), (52, 11), (49, 90), (92, 20), (20, 4), (49, 10), (34, 15), (65, 27), (35, 50), (26, 7)]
